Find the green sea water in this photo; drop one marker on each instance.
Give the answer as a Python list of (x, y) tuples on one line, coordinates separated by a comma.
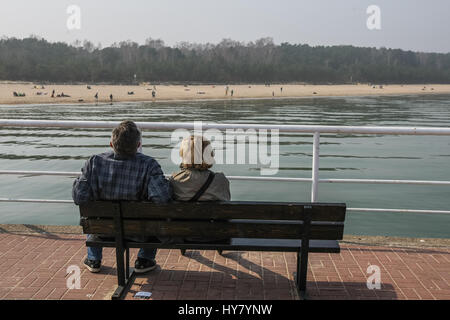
[(342, 156)]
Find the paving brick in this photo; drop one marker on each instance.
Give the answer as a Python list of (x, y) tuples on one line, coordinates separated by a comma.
[(56, 294), (43, 293), (21, 293)]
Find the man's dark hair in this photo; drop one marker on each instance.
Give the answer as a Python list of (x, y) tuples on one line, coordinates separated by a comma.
[(125, 138)]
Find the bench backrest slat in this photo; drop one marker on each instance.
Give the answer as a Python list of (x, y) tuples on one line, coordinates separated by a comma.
[(234, 229), (98, 209), (225, 211)]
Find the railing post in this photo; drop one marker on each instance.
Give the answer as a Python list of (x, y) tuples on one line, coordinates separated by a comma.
[(315, 167)]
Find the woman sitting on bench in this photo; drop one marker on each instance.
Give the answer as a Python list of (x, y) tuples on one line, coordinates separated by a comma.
[(195, 181)]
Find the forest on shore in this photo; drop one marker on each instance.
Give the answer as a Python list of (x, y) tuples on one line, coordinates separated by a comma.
[(261, 61)]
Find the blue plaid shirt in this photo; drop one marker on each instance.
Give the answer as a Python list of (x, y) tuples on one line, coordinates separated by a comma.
[(108, 176)]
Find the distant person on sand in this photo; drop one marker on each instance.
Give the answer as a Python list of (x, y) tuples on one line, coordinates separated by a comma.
[(153, 94), (122, 174), (53, 93), (111, 98), (96, 97), (226, 90), (232, 92)]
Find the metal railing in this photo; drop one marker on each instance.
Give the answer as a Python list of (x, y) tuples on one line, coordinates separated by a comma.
[(315, 130)]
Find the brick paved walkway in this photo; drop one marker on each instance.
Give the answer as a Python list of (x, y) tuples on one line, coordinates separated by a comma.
[(34, 266)]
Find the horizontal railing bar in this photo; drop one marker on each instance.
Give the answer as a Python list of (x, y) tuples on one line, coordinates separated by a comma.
[(76, 174), (283, 179), (35, 200), (250, 178), (348, 209), (380, 181), (40, 173), (398, 210), (205, 126)]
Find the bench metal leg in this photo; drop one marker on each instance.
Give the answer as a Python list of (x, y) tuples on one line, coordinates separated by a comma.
[(127, 263), (301, 274), (302, 269), (302, 256), (120, 266), (122, 290), (302, 294), (125, 274)]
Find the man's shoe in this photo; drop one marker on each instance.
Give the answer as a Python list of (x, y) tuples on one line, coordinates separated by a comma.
[(143, 265), (93, 265)]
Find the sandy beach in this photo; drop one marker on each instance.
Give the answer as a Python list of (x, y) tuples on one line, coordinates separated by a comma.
[(36, 93)]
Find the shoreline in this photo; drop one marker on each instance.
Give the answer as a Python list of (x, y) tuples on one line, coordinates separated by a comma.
[(394, 242), (56, 104), (80, 95)]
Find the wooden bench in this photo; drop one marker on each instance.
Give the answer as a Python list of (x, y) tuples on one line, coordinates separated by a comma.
[(249, 226)]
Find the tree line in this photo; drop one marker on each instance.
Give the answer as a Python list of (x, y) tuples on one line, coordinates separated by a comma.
[(261, 61)]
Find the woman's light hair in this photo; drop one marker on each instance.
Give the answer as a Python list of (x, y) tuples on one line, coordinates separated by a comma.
[(196, 152)]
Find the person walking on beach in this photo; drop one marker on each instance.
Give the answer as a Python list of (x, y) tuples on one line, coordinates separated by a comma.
[(226, 90), (232, 92), (122, 174), (111, 98), (96, 98)]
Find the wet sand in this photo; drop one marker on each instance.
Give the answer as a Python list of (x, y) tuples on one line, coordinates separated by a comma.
[(35, 94)]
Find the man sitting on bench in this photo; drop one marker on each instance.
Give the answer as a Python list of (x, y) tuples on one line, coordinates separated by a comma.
[(122, 174)]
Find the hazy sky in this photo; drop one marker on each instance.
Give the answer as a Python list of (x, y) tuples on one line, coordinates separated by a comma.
[(407, 24)]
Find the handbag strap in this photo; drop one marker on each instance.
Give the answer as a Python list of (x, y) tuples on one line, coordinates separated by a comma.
[(204, 187)]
